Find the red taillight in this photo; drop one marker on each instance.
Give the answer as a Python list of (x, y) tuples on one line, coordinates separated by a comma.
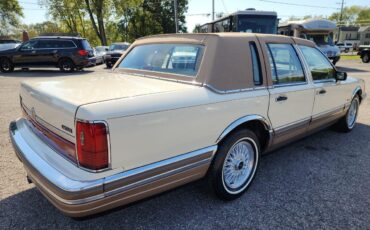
[(83, 52), (92, 145)]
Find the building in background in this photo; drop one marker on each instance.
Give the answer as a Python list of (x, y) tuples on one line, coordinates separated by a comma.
[(353, 34)]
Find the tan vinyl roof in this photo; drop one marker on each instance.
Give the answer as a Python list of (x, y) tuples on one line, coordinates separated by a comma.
[(226, 63)]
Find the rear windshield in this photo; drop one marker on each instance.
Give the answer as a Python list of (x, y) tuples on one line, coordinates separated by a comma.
[(86, 45), (181, 59)]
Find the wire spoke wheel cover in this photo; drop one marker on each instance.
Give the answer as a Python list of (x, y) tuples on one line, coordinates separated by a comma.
[(352, 113), (239, 165)]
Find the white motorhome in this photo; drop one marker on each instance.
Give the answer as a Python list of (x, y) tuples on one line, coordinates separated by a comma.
[(319, 31)]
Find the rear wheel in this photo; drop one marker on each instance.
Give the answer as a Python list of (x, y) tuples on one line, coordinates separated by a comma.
[(66, 65), (235, 164), (366, 58), (6, 65), (348, 122), (109, 65)]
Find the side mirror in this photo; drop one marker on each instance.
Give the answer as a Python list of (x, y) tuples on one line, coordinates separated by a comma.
[(340, 76), (106, 49)]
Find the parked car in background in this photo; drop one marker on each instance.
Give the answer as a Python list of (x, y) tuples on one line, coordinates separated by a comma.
[(345, 47), (9, 44), (99, 53), (365, 55), (115, 51), (177, 108), (66, 53)]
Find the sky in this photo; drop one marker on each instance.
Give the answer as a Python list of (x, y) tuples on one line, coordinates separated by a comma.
[(34, 13)]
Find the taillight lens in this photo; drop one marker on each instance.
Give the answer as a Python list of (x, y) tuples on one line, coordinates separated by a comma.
[(92, 145), (83, 52)]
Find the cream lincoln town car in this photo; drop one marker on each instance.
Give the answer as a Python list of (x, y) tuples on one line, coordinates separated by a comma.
[(177, 108)]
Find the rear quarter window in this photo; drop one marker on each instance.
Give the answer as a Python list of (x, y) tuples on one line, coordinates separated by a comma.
[(85, 44)]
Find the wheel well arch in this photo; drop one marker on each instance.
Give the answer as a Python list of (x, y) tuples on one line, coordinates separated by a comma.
[(358, 92), (256, 123)]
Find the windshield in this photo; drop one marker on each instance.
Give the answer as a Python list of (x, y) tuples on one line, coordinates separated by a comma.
[(171, 58), (257, 24), (118, 47), (320, 39)]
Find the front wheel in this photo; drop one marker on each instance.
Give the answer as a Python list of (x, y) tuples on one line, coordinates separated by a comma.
[(235, 164), (348, 122), (366, 58), (6, 65)]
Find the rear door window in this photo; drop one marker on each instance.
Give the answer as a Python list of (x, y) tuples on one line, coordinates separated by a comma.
[(286, 67)]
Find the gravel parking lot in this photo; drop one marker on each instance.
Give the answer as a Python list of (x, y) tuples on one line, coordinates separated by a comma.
[(321, 182)]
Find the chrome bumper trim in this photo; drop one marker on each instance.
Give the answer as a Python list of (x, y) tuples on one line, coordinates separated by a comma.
[(40, 170)]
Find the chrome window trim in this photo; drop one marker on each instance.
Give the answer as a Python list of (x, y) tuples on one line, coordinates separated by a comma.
[(289, 84), (269, 52), (75, 46), (233, 90)]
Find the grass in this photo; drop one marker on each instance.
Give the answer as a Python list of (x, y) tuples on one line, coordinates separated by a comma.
[(350, 57)]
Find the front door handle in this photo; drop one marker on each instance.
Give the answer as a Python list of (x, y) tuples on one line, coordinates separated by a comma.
[(322, 91), (281, 98)]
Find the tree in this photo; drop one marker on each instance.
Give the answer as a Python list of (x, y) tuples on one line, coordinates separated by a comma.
[(349, 15), (10, 11), (363, 17), (197, 28), (97, 9)]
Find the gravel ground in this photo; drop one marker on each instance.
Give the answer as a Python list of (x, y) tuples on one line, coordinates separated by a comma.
[(321, 182)]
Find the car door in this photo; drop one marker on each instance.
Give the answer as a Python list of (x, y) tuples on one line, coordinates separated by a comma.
[(330, 95), (26, 54), (291, 92), (46, 50)]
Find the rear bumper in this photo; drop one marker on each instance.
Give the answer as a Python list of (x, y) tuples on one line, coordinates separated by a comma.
[(79, 198)]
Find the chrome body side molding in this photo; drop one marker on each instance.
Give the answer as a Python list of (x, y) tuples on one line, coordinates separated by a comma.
[(83, 197)]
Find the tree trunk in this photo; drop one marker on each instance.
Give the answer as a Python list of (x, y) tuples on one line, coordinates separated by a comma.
[(93, 21)]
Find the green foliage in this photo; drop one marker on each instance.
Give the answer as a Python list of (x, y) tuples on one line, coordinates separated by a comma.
[(106, 21), (10, 11), (354, 15)]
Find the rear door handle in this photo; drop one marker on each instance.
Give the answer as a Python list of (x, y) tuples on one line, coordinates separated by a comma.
[(281, 98), (322, 91)]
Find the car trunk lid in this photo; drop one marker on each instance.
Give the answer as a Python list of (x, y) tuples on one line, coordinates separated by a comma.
[(54, 102)]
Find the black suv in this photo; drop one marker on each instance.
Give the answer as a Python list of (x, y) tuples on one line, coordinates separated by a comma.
[(67, 53)]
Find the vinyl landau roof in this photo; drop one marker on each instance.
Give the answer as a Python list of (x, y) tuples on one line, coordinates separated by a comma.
[(226, 62)]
